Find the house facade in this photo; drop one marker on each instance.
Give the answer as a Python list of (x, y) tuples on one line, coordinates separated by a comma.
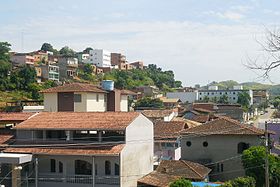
[(68, 67), (82, 149), (20, 59), (49, 72), (100, 57), (218, 145)]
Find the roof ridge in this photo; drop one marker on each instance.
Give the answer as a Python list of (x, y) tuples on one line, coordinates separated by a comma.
[(253, 129), (192, 168)]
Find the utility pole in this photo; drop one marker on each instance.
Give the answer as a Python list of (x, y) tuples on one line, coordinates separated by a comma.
[(36, 172), (266, 157)]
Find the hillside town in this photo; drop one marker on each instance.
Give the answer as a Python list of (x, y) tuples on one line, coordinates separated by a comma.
[(84, 133)]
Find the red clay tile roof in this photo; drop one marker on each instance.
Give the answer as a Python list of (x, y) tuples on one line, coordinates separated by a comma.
[(79, 120), (75, 87), (169, 129), (156, 179), (224, 126), (157, 113), (14, 116), (171, 170), (94, 150), (201, 118), (127, 92), (4, 139), (206, 106)]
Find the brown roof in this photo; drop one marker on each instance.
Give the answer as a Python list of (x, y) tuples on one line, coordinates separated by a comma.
[(206, 106), (128, 92), (75, 87), (200, 118), (224, 126), (156, 113), (189, 123), (14, 116), (4, 139), (94, 150), (170, 129), (171, 170), (170, 100), (79, 120)]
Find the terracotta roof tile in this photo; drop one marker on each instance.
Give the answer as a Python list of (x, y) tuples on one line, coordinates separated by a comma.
[(169, 129), (171, 170), (94, 150), (79, 120), (128, 92), (15, 116), (224, 126), (75, 87), (206, 106), (156, 113)]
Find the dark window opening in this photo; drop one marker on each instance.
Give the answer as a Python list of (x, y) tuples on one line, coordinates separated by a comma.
[(188, 143), (241, 147), (52, 134), (60, 167), (107, 167), (117, 169), (77, 98), (109, 136), (85, 135), (205, 144), (83, 167), (53, 169)]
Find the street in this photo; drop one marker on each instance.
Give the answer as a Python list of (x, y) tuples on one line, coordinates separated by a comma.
[(259, 123)]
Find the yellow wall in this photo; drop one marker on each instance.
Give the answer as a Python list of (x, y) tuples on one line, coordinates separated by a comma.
[(50, 102)]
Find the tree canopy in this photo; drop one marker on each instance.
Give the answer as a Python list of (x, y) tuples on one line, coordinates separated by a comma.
[(241, 182), (181, 183), (244, 100), (87, 50), (66, 51), (5, 48), (148, 102)]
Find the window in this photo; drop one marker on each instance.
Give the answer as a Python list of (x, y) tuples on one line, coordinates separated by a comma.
[(77, 98), (233, 98), (107, 167), (233, 92), (199, 93), (95, 167), (97, 97), (222, 167), (117, 169), (105, 98), (220, 93), (241, 147), (169, 145), (205, 144), (188, 143), (83, 167), (53, 170), (60, 167)]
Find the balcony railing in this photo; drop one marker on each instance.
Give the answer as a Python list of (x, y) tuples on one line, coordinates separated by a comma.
[(79, 179)]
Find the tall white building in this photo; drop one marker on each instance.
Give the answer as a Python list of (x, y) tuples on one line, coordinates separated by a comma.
[(100, 58)]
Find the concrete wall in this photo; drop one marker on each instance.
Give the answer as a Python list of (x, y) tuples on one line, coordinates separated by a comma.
[(137, 155), (124, 103), (189, 97), (50, 102), (219, 147), (96, 106), (81, 106)]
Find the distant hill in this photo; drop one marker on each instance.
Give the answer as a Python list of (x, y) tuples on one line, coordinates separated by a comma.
[(273, 89)]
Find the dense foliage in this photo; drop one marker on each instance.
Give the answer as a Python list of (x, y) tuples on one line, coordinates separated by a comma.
[(253, 163), (181, 183), (147, 102), (152, 75), (276, 102), (241, 182), (244, 100)]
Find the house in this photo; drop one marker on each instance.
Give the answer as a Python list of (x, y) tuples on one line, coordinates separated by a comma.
[(137, 64), (49, 72), (38, 70), (167, 140), (118, 59), (68, 67), (185, 97), (40, 56), (260, 96), (80, 149), (170, 103), (171, 170), (21, 59), (14, 117), (83, 58), (149, 91), (219, 144), (79, 97), (100, 58), (164, 115)]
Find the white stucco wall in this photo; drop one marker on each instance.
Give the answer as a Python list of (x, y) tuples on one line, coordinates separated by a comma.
[(137, 155), (93, 105), (50, 102), (189, 97), (81, 106), (124, 103)]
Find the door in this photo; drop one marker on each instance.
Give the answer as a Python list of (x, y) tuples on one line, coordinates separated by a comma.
[(65, 102)]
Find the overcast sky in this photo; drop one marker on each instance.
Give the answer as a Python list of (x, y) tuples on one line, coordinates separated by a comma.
[(200, 40)]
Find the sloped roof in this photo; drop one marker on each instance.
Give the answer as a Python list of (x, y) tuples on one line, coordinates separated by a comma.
[(190, 123), (171, 170), (224, 126), (92, 150), (79, 120), (170, 129), (15, 116), (156, 113), (75, 87), (169, 100)]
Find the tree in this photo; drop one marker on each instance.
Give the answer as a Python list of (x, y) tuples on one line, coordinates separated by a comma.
[(244, 100), (205, 99), (5, 48), (22, 77), (148, 102), (223, 99), (276, 102), (66, 51), (87, 50), (181, 183), (253, 163), (5, 68), (47, 47), (241, 182)]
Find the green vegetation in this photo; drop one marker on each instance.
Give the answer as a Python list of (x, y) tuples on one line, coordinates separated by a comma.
[(67, 51), (152, 75), (181, 183), (148, 102), (241, 182), (253, 163), (276, 102), (244, 100), (223, 99)]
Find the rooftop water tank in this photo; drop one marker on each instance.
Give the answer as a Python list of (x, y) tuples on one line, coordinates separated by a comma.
[(108, 85)]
